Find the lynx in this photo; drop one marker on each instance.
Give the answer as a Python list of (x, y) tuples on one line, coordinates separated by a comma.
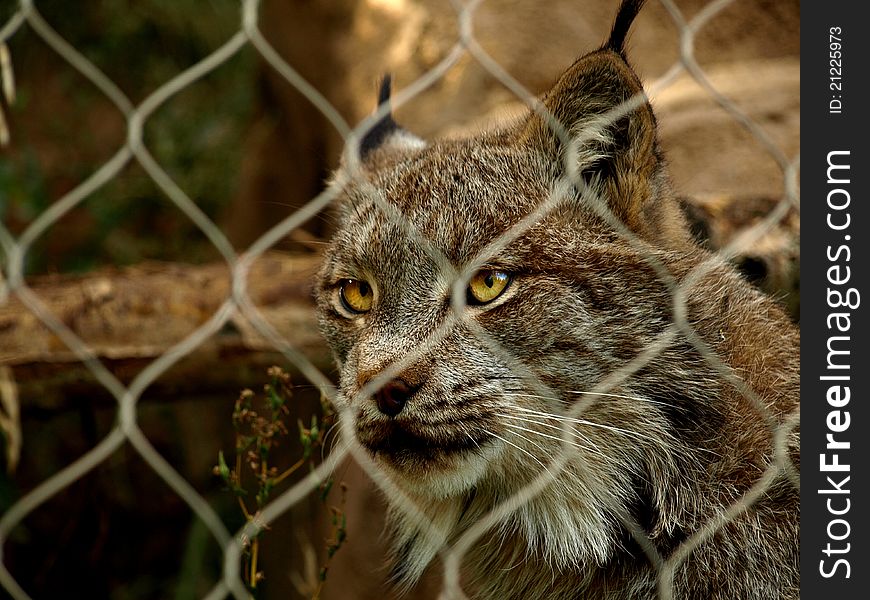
[(466, 333)]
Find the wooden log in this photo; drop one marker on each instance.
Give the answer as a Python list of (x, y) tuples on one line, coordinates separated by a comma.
[(130, 316)]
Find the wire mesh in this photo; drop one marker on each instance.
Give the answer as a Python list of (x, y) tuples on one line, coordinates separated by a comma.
[(238, 302)]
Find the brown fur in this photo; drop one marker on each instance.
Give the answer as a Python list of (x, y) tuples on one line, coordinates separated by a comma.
[(672, 446)]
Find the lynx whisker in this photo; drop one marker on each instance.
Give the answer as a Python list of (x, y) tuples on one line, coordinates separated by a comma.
[(473, 441), (553, 437), (707, 450), (563, 418), (524, 438), (335, 438), (523, 450), (624, 396)]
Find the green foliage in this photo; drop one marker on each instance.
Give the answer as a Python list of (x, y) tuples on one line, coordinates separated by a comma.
[(259, 425), (64, 129)]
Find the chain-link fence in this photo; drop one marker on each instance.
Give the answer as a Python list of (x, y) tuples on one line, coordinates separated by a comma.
[(238, 303)]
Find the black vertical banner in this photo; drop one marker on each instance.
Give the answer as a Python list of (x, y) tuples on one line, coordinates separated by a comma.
[(835, 356)]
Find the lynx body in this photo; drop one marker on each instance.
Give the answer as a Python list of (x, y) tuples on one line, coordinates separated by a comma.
[(476, 407)]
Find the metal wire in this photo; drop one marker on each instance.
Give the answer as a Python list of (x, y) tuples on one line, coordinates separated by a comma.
[(238, 302)]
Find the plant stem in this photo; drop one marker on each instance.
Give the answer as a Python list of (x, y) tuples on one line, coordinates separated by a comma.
[(289, 471), (244, 509), (255, 547)]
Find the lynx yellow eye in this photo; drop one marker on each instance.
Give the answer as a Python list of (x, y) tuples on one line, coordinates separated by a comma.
[(356, 296), (486, 286)]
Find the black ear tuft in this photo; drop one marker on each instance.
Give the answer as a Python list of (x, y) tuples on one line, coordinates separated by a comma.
[(624, 17), (384, 127), (385, 90)]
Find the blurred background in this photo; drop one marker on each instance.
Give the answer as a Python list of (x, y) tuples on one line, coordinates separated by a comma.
[(131, 275)]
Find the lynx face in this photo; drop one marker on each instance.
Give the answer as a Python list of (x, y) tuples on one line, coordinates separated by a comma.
[(465, 331), (568, 299), (547, 300)]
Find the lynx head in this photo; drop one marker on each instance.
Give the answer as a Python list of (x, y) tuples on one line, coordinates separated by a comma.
[(461, 326)]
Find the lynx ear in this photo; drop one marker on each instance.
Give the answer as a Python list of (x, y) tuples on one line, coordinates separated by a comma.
[(386, 134), (601, 107)]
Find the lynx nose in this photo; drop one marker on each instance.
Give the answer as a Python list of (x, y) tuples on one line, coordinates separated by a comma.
[(392, 397)]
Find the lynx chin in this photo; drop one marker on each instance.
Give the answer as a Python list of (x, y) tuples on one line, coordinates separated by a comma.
[(489, 379)]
